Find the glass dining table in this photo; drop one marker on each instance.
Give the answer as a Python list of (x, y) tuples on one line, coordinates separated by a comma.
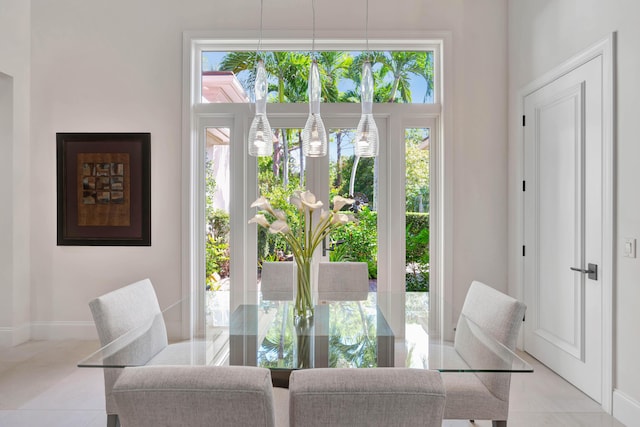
[(342, 334)]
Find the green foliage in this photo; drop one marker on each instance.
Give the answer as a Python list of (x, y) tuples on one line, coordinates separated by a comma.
[(358, 241), (417, 171), (217, 248), (218, 224), (288, 74), (210, 188), (217, 240), (364, 177), (417, 252), (269, 245)]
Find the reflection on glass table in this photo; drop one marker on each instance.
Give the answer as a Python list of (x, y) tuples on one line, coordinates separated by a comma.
[(343, 334)]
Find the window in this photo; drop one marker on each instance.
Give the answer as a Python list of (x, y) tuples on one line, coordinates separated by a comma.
[(399, 76), (220, 102)]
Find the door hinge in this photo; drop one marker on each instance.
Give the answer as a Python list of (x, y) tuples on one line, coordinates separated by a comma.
[(523, 120), (524, 185), (523, 250)]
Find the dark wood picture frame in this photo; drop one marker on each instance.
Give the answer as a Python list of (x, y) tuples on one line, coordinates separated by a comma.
[(104, 189)]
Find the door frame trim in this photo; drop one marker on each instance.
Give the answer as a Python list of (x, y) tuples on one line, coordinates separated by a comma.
[(605, 48)]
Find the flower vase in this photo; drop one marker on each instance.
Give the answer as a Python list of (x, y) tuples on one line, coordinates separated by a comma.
[(303, 310), (304, 341)]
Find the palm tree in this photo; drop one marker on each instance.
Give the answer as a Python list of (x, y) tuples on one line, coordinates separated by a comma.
[(425, 64), (285, 68), (334, 66), (399, 66)]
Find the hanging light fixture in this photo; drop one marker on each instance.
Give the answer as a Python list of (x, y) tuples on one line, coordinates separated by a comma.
[(260, 133), (367, 132), (314, 135)]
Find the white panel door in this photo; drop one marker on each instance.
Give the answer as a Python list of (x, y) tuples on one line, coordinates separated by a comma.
[(563, 225)]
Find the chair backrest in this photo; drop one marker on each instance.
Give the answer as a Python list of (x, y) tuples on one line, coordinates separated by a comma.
[(123, 310), (499, 316), (365, 397), (277, 281), (343, 281), (195, 396)]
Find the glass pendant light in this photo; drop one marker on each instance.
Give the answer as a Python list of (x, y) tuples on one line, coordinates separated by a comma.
[(366, 143), (367, 131), (314, 135), (260, 134)]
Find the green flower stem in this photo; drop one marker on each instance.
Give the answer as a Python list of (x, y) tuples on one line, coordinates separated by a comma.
[(304, 302)]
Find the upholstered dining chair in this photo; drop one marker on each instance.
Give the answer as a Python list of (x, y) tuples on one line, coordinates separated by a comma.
[(277, 280), (483, 396), (343, 281), (132, 308), (365, 397), (195, 396)]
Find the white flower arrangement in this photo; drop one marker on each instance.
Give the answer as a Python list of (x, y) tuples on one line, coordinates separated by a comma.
[(305, 241)]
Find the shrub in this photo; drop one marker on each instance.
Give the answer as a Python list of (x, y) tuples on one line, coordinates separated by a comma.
[(217, 248), (358, 241), (417, 252)]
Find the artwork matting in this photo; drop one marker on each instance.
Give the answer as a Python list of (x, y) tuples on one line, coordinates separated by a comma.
[(104, 189)]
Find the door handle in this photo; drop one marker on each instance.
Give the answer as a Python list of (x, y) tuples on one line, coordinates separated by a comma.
[(592, 271)]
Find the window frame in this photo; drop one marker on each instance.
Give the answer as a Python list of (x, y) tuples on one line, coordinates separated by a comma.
[(197, 114)]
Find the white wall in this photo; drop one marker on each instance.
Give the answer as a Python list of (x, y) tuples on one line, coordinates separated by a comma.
[(543, 34), (116, 66), (14, 171)]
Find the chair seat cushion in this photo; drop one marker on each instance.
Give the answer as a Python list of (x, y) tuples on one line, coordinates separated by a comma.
[(194, 396), (365, 397), (468, 398)]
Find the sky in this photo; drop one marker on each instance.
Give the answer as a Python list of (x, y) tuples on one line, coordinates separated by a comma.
[(211, 61)]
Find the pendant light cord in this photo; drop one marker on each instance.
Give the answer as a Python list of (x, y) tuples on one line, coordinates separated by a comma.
[(260, 39), (366, 30), (313, 37)]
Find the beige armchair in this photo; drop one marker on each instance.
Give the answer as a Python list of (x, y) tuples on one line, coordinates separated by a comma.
[(135, 308), (343, 281), (483, 396), (371, 397), (277, 280)]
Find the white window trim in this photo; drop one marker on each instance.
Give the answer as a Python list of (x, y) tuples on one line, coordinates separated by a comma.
[(441, 314)]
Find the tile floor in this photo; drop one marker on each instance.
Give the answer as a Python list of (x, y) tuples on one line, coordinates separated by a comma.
[(40, 385)]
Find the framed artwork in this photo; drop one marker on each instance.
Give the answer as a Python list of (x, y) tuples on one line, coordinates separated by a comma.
[(104, 189)]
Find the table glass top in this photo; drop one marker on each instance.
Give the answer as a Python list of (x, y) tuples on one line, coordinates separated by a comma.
[(342, 334)]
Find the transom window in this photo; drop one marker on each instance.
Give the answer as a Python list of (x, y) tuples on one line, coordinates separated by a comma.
[(399, 76)]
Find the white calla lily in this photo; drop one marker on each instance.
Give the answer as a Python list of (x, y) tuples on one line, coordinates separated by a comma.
[(339, 218), (260, 220), (339, 202), (295, 199), (280, 214), (279, 226), (309, 200), (262, 203), (324, 215)]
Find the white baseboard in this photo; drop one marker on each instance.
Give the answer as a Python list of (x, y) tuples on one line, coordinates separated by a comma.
[(625, 408), (10, 337), (62, 330)]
